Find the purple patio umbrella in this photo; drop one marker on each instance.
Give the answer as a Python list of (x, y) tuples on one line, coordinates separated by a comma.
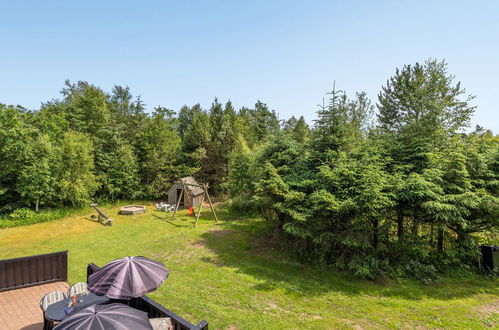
[(112, 316), (127, 278)]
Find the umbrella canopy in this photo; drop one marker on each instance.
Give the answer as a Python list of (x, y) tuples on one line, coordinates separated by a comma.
[(127, 278), (112, 316)]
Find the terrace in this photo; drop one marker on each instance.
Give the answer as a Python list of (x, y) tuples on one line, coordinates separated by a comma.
[(21, 307), (24, 281)]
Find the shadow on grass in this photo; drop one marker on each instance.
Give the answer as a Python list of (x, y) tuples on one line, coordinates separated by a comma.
[(94, 220), (169, 221), (238, 243)]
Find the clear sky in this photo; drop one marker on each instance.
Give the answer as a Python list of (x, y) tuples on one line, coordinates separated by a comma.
[(284, 53)]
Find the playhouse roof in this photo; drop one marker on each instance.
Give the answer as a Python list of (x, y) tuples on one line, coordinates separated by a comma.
[(193, 190)]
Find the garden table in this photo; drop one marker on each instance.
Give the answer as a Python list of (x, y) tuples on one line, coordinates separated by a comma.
[(56, 313)]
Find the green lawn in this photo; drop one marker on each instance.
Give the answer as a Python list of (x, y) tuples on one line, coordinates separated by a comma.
[(223, 273)]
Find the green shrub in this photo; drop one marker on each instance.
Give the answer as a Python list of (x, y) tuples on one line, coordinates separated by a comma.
[(22, 214), (426, 274), (25, 216)]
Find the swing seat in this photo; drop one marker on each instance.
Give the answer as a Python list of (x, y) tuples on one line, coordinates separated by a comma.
[(190, 211)]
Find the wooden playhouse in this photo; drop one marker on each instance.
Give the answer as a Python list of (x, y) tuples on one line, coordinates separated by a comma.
[(193, 195)]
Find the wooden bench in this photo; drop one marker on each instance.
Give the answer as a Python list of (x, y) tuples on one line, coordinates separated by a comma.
[(104, 219)]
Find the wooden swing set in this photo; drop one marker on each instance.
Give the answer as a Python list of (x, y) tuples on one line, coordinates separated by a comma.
[(205, 194)]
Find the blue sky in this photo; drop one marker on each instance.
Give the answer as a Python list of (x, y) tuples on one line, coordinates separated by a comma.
[(284, 53)]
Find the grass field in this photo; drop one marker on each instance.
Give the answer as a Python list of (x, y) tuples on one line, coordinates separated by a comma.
[(225, 274)]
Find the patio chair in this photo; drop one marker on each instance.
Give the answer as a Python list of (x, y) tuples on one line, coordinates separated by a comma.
[(46, 301), (77, 288)]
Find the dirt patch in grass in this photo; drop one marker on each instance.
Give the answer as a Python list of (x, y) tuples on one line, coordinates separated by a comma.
[(311, 316), (489, 309), (273, 307), (489, 313), (198, 245)]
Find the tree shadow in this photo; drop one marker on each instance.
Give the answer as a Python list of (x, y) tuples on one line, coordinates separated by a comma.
[(241, 244)]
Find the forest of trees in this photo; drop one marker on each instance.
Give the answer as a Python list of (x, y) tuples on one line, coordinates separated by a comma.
[(390, 187)]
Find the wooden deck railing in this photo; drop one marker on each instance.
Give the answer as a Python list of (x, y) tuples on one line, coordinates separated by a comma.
[(33, 270), (154, 309)]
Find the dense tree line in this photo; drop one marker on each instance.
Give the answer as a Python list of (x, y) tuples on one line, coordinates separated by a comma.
[(402, 191), (393, 187), (92, 145)]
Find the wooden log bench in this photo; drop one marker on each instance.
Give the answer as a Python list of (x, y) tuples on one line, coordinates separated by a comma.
[(102, 218)]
